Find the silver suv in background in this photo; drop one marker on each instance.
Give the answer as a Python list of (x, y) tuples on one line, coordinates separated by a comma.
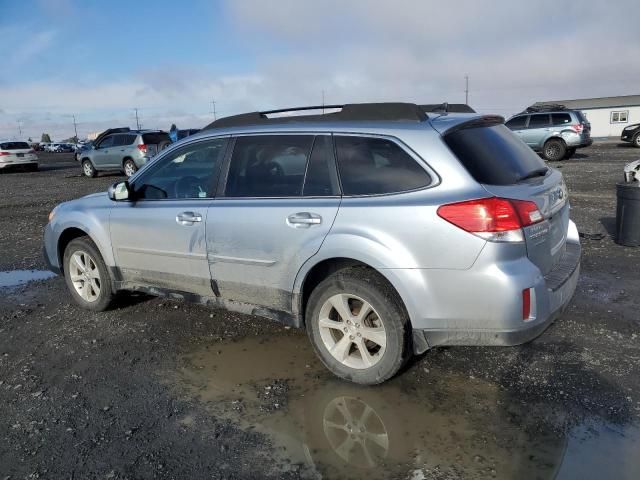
[(552, 130), (122, 149), (380, 229)]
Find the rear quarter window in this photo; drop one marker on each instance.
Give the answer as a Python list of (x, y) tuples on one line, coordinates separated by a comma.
[(375, 166), (493, 155)]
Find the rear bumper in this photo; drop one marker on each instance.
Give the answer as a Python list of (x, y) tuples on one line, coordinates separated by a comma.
[(18, 164), (483, 304)]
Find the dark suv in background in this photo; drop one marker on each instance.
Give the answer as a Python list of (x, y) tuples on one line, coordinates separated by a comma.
[(552, 130)]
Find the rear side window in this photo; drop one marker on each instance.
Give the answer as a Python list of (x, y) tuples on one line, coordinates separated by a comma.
[(374, 166), (517, 122), (560, 118), (14, 146), (540, 120), (494, 155), (268, 166)]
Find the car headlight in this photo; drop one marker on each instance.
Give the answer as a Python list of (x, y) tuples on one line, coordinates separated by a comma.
[(52, 214)]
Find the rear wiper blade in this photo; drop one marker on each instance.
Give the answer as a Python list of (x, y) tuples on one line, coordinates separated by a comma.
[(540, 172)]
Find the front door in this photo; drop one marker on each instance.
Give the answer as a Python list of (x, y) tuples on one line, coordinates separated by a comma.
[(281, 198), (104, 152), (159, 238)]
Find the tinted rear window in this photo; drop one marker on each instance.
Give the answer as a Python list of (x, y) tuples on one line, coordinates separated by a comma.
[(14, 146), (493, 155), (155, 138)]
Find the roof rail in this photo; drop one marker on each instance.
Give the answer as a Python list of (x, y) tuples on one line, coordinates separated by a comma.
[(390, 112), (448, 108), (545, 107)]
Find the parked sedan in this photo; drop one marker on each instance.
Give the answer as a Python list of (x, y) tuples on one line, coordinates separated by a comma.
[(631, 134), (17, 154)]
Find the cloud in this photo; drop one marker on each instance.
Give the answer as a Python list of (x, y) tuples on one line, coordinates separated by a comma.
[(515, 53)]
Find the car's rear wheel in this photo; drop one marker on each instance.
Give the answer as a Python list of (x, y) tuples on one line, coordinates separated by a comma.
[(86, 275), (358, 326), (554, 150), (570, 153), (129, 167), (636, 140), (88, 169)]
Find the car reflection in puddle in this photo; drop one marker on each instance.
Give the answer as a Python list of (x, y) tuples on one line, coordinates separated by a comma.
[(15, 278), (449, 427)]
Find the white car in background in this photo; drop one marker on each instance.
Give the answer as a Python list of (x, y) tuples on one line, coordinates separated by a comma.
[(17, 154)]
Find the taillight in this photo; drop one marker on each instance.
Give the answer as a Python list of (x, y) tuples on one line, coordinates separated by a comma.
[(2, 154), (494, 219), (143, 148), (578, 128)]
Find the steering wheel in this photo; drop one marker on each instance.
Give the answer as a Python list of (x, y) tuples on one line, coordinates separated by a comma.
[(188, 187)]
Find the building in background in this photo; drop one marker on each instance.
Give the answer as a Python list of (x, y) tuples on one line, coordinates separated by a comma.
[(607, 115)]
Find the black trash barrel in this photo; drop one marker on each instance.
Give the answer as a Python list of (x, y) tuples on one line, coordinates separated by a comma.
[(628, 214)]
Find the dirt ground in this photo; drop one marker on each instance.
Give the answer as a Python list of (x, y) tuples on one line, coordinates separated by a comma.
[(160, 389)]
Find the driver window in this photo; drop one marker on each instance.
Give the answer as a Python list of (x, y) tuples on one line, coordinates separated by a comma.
[(190, 172), (107, 142)]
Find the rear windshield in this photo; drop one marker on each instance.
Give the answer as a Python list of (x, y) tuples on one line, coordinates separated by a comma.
[(155, 138), (494, 155), (14, 146)]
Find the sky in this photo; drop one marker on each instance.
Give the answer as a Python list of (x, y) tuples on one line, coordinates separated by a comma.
[(99, 60)]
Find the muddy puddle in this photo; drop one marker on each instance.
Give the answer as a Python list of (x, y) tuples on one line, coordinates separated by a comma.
[(451, 427), (15, 278)]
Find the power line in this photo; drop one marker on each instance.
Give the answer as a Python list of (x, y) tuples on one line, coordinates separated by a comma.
[(466, 89), (213, 109)]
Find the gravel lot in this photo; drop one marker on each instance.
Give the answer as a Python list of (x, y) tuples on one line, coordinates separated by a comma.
[(160, 389)]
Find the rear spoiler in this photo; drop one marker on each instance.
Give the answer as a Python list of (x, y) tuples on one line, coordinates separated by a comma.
[(483, 121)]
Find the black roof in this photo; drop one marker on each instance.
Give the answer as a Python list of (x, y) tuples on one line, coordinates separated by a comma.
[(407, 112)]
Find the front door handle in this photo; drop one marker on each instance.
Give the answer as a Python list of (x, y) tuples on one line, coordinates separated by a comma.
[(303, 219), (188, 218)]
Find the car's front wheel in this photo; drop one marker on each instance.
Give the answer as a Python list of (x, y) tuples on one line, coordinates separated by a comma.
[(636, 140), (554, 150), (86, 275), (358, 326), (88, 170)]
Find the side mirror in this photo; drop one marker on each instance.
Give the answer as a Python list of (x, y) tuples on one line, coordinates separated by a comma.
[(119, 191)]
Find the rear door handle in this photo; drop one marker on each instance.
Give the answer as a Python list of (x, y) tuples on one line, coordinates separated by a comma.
[(303, 219), (188, 218)]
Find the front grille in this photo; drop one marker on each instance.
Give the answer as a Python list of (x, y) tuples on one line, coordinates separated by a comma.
[(564, 267)]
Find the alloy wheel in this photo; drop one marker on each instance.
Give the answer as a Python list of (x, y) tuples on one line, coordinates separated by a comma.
[(85, 276), (352, 331), (355, 432)]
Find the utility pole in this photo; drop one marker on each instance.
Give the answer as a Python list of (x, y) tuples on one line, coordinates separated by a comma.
[(19, 130), (75, 127), (213, 109), (466, 89), (137, 120)]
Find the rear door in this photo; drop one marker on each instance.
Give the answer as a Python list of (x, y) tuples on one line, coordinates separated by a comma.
[(507, 168), (537, 130), (280, 199)]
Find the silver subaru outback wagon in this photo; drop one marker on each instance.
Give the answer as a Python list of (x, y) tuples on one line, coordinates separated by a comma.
[(382, 230)]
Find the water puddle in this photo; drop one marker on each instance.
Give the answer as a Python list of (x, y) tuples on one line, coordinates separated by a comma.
[(447, 427), (15, 278)]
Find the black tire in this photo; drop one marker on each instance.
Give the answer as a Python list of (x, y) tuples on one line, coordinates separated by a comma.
[(88, 170), (129, 167), (105, 296), (374, 289), (636, 140), (554, 150), (570, 153)]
